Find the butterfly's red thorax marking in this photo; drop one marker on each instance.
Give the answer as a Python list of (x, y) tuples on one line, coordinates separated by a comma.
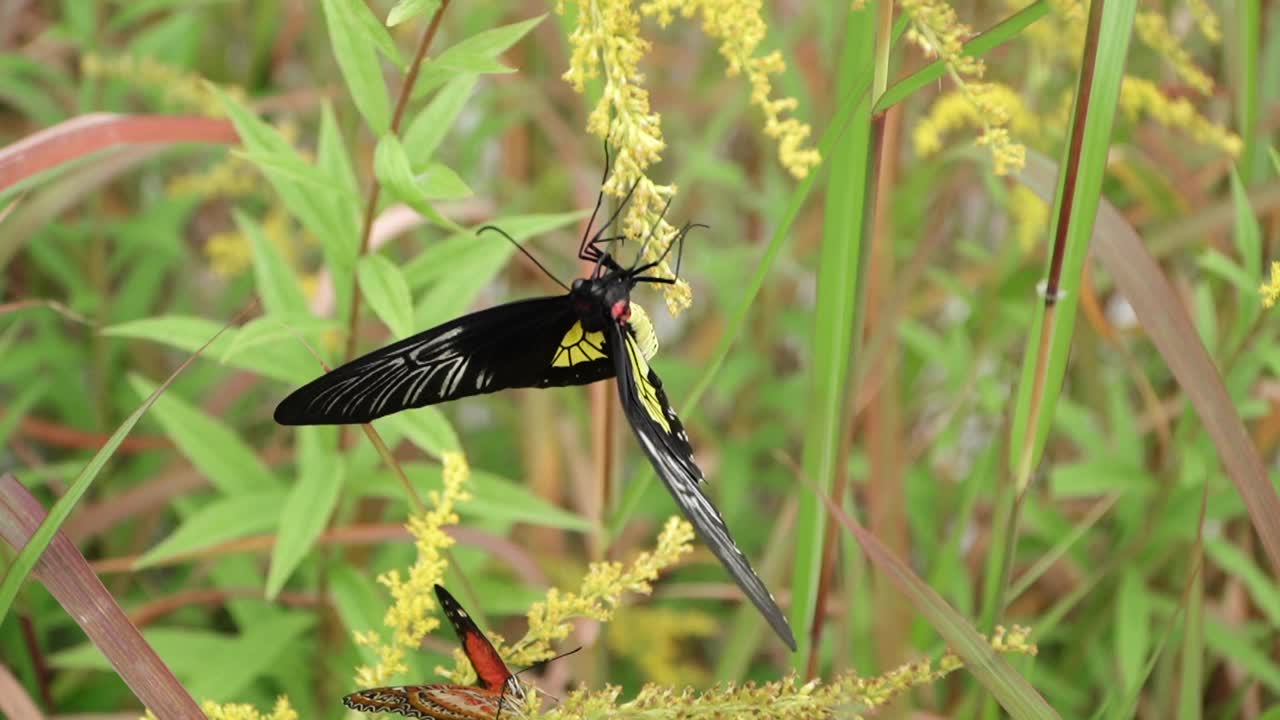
[(621, 311)]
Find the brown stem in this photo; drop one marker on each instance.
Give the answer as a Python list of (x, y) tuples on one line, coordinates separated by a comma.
[(58, 435), (43, 674), (371, 207)]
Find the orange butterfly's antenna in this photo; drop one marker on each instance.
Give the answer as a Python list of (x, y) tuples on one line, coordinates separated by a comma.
[(527, 254), (540, 663)]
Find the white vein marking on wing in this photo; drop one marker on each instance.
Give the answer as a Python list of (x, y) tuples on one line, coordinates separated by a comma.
[(379, 381)]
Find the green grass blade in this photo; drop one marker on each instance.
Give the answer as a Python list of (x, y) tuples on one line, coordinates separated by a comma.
[(849, 206), (1075, 209), (1010, 689), (1160, 311)]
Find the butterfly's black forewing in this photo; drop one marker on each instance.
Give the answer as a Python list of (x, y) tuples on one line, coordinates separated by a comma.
[(529, 343), (663, 438)]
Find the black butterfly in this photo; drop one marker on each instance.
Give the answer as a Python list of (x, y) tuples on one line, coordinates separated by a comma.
[(586, 335)]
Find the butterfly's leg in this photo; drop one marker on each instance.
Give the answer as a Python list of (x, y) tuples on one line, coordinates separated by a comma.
[(599, 258)]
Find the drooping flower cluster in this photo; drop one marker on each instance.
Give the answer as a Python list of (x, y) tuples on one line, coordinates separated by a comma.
[(937, 29), (606, 43), (412, 615), (597, 598), (1270, 290)]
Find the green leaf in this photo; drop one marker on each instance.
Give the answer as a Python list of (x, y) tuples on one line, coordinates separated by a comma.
[(1133, 633), (304, 516), (392, 168), (185, 651), (329, 215), (276, 329), (429, 127), (209, 664), (427, 428), (332, 157), (359, 602), (384, 286), (16, 408), (1231, 643), (220, 521), (1248, 235), (358, 61), (1236, 563), (231, 465), (467, 263), (494, 498), (276, 281), (377, 34), (409, 9), (1215, 263), (439, 182), (440, 261), (476, 54), (290, 166), (284, 360)]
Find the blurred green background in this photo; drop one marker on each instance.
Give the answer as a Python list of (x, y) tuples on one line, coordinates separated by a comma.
[(115, 266)]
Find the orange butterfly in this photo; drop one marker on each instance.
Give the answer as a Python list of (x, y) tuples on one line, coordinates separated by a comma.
[(497, 688)]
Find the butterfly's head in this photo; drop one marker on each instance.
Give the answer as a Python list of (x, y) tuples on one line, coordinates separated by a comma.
[(617, 298), (513, 689)]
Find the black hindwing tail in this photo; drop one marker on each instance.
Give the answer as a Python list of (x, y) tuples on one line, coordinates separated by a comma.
[(663, 438)]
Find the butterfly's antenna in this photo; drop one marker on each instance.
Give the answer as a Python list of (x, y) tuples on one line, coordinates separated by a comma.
[(680, 252), (540, 663), (679, 240), (652, 229), (527, 254)]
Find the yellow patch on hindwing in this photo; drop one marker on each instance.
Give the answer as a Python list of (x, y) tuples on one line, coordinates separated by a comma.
[(647, 392), (578, 347)]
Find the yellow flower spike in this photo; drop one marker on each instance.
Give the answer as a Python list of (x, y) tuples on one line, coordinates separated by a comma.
[(187, 90), (411, 616), (1270, 290), (1029, 216), (1140, 97), (597, 598), (606, 42), (938, 30), (993, 107), (1153, 29), (231, 711), (1206, 19), (653, 636), (234, 177), (846, 695), (229, 253)]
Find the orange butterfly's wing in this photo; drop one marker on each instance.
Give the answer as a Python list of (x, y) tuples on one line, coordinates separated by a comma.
[(490, 669), (430, 702)]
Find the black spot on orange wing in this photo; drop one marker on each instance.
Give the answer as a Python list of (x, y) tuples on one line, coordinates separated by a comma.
[(491, 671)]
